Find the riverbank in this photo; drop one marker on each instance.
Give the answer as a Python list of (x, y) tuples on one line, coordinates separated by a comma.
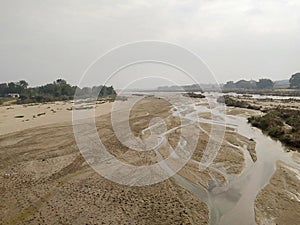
[(262, 104), (280, 119), (272, 92), (278, 202)]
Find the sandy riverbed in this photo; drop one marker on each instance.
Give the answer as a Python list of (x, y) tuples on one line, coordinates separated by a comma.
[(279, 202), (20, 117), (44, 179)]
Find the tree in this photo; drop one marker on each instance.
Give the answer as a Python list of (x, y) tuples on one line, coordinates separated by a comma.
[(87, 91), (107, 91), (295, 81), (230, 85), (60, 81), (11, 87), (3, 89), (96, 90), (55, 91), (23, 84), (243, 84), (67, 90), (265, 84)]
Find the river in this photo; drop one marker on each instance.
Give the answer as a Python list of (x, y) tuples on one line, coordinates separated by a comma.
[(234, 203)]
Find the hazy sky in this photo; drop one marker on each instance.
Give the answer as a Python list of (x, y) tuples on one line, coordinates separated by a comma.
[(43, 40)]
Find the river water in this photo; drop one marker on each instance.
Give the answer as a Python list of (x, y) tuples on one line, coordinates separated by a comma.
[(234, 203)]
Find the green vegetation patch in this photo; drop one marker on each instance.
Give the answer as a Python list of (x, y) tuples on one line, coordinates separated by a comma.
[(59, 90), (230, 101), (282, 124)]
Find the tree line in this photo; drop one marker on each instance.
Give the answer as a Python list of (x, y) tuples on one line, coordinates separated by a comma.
[(264, 83), (295, 81), (56, 91)]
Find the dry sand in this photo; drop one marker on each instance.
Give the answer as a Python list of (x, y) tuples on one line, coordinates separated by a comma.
[(270, 103), (19, 117), (45, 180), (279, 202)]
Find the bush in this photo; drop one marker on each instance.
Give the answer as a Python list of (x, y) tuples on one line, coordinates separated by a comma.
[(273, 123), (229, 101), (193, 95), (275, 132), (293, 130)]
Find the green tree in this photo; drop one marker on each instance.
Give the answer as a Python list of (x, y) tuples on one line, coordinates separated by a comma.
[(295, 81), (230, 85), (3, 89), (86, 91), (23, 84), (243, 84), (11, 87), (265, 84)]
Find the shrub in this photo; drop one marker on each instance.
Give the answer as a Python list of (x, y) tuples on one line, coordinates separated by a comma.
[(275, 132), (273, 122), (193, 95)]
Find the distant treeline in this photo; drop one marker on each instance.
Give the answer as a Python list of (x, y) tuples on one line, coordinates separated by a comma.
[(294, 82), (176, 88), (56, 91), (252, 84)]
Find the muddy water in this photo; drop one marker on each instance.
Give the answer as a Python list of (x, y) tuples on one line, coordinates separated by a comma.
[(234, 203)]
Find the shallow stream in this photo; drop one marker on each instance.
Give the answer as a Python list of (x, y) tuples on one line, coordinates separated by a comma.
[(234, 203)]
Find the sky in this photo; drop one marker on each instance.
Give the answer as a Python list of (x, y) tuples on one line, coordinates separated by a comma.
[(41, 41)]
